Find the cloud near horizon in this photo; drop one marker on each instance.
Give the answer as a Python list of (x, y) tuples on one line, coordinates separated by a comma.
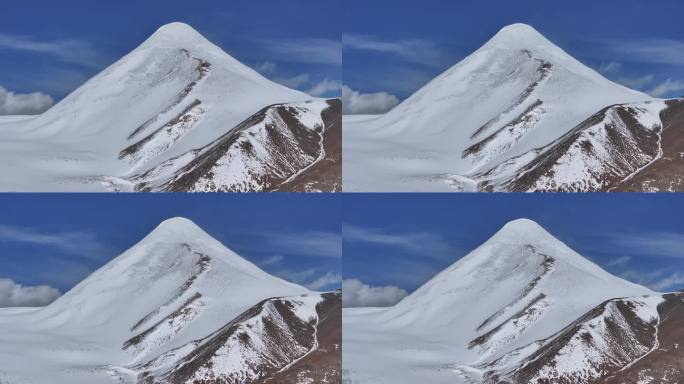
[(358, 294), (357, 103), (34, 103), (17, 295)]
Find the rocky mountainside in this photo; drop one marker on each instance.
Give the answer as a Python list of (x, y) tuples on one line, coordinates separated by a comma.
[(518, 114), (177, 113), (629, 340), (177, 307), (521, 308)]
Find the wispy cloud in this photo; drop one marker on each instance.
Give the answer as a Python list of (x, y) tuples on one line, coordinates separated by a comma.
[(310, 50), (655, 51), (360, 294), (13, 294), (424, 52), (295, 81), (354, 102), (265, 67), (659, 280), (81, 244), (422, 243), (314, 244), (610, 67), (638, 82), (272, 260), (68, 50), (667, 87), (659, 244), (618, 261)]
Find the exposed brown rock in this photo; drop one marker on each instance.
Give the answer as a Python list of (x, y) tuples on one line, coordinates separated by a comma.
[(326, 174)]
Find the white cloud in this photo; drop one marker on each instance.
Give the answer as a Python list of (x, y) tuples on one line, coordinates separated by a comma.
[(325, 86), (667, 87), (265, 67), (17, 295), (294, 82), (312, 50), (304, 81), (329, 278), (354, 102), (77, 243), (356, 293), (23, 104)]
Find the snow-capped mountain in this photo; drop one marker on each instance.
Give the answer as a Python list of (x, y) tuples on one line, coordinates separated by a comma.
[(176, 113), (521, 308), (503, 119), (176, 307)]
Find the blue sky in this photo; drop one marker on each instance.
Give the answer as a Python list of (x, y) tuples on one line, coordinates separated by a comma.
[(396, 46), (53, 47), (403, 240), (58, 239)]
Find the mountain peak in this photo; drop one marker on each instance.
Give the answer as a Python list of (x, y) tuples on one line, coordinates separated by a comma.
[(177, 229), (517, 36), (176, 29), (524, 230), (176, 33)]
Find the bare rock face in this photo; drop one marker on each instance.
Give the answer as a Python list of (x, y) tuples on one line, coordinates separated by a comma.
[(323, 365), (666, 174), (325, 175), (664, 364)]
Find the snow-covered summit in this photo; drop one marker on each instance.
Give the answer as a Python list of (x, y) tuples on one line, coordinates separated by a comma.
[(523, 230), (481, 120), (179, 229), (141, 121), (492, 308), (178, 295), (515, 288), (177, 269), (176, 33), (518, 36)]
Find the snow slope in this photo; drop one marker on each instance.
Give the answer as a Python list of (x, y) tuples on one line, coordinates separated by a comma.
[(173, 95), (517, 93), (520, 286), (176, 286)]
